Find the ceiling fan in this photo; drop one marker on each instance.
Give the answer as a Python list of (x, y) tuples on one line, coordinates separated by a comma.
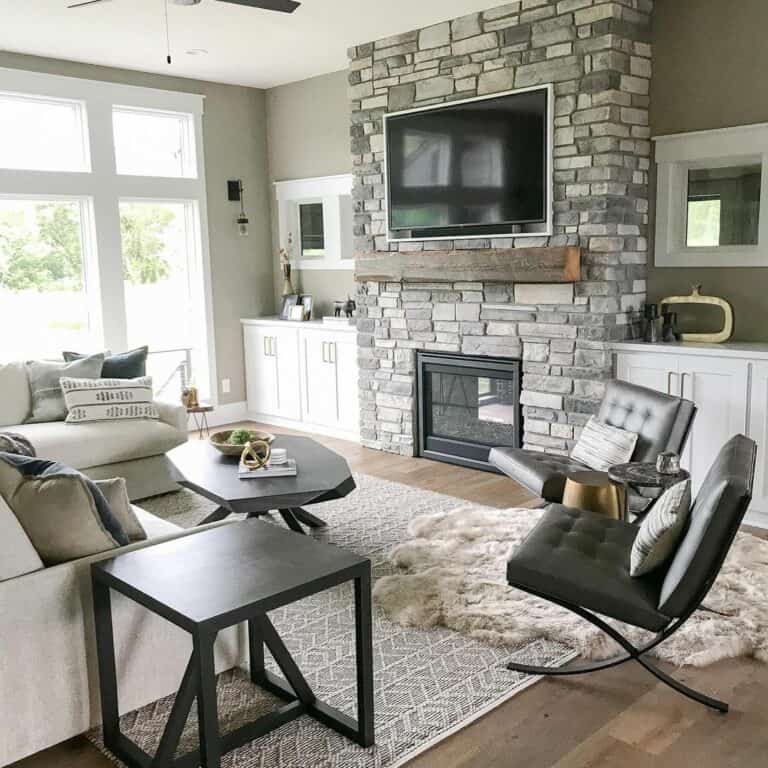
[(283, 6)]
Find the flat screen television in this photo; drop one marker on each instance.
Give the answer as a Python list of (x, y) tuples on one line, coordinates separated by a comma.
[(469, 168)]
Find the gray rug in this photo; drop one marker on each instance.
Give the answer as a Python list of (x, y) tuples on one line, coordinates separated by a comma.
[(429, 682)]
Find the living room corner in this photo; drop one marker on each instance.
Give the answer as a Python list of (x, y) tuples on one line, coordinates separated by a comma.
[(383, 385)]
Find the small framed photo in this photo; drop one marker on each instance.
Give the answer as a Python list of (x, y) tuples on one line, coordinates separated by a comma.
[(306, 302), (289, 302), (296, 313)]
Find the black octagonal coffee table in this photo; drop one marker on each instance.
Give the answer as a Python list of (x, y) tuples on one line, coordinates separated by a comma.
[(322, 476)]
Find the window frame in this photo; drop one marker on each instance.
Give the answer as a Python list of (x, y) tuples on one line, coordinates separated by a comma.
[(105, 188), (678, 154)]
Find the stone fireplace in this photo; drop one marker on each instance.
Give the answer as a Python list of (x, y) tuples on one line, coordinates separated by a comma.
[(597, 55)]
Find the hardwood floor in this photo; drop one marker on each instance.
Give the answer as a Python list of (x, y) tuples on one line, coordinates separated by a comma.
[(620, 717)]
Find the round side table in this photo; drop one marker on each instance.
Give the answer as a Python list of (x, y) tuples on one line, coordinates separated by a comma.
[(199, 414), (596, 492), (637, 475)]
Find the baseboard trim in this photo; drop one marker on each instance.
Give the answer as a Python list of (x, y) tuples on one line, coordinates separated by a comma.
[(302, 426), (756, 519), (229, 413)]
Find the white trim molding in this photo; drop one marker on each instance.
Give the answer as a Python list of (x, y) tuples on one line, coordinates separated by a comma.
[(335, 195), (676, 155)]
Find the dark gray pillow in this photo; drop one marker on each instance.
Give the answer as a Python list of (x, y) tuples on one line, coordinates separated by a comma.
[(124, 365), (45, 385)]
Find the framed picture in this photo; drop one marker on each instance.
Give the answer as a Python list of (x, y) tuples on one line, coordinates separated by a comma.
[(296, 313), (288, 302), (306, 302)]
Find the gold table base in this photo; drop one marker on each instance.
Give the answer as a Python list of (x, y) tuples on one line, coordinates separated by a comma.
[(596, 492)]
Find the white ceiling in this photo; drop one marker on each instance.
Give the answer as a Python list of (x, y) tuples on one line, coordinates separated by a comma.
[(245, 46)]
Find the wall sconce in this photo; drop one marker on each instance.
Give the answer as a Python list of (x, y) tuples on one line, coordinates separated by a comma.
[(235, 194)]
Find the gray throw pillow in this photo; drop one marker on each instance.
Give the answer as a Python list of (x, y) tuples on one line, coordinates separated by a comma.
[(63, 513), (45, 385), (121, 365), (116, 493), (660, 533)]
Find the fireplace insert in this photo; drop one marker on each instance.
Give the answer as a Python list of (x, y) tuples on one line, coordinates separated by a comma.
[(466, 406)]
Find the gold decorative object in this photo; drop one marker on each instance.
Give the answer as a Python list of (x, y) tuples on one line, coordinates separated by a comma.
[(595, 492), (256, 455), (220, 441), (696, 297)]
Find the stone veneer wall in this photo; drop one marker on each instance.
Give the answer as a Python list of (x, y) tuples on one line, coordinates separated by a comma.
[(597, 55)]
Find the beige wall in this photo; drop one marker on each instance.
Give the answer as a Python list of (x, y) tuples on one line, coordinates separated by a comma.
[(308, 135), (235, 146), (710, 62)]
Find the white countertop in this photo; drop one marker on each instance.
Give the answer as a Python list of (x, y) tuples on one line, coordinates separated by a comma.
[(740, 349), (314, 324)]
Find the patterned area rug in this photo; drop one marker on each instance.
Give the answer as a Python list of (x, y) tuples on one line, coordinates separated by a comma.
[(429, 682)]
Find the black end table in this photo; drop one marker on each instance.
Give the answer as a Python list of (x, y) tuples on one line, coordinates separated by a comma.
[(323, 475), (644, 475), (273, 568)]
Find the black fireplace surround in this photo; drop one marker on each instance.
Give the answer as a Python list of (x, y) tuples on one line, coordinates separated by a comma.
[(466, 406)]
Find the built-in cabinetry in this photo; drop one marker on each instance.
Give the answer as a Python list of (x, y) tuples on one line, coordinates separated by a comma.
[(728, 383), (302, 375)]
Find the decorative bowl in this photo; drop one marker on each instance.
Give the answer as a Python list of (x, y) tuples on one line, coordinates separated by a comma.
[(220, 441)]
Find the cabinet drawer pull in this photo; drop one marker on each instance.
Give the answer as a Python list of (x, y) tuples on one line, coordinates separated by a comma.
[(325, 353), (266, 346), (332, 352), (273, 345)]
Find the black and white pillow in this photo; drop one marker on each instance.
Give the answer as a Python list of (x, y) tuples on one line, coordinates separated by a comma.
[(108, 399), (661, 531), (602, 446)]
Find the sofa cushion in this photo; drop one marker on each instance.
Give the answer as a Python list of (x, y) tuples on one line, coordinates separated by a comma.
[(94, 444), (44, 384), (582, 558), (15, 398), (541, 473), (64, 514), (17, 555)]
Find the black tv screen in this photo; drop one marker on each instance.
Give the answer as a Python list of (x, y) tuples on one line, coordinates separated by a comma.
[(476, 166)]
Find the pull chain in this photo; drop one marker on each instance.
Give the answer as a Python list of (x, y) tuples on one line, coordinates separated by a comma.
[(167, 35)]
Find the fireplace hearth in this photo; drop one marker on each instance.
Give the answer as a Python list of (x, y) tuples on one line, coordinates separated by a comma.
[(466, 406)]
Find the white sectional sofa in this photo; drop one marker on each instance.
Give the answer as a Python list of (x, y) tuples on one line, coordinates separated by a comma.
[(48, 670), (134, 450)]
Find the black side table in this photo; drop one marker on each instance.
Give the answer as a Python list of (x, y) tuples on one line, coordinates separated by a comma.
[(644, 475), (240, 572)]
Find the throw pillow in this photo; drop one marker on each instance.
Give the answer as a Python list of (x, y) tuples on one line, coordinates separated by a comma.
[(661, 531), (63, 513), (17, 555), (44, 383), (116, 493), (602, 446), (123, 365), (109, 399)]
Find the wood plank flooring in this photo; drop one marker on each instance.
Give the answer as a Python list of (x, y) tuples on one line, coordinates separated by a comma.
[(620, 717)]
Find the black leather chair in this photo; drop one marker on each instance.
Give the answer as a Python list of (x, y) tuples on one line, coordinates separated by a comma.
[(580, 561), (662, 423)]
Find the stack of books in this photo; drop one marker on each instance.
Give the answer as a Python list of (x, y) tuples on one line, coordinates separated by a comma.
[(285, 468)]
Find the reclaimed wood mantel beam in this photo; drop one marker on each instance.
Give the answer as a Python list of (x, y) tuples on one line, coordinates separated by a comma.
[(496, 265)]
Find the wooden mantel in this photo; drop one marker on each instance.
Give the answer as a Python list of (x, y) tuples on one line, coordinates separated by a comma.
[(494, 265)]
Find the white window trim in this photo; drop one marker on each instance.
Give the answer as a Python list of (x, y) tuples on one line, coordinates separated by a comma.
[(675, 156), (104, 188), (335, 193)]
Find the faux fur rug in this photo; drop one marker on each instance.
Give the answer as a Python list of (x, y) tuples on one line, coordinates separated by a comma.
[(452, 575)]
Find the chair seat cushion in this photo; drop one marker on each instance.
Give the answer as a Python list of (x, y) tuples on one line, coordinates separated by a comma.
[(583, 558), (541, 473)]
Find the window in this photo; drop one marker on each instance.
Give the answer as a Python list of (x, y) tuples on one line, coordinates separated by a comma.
[(43, 283), (152, 143), (115, 255), (40, 134), (711, 197), (312, 231)]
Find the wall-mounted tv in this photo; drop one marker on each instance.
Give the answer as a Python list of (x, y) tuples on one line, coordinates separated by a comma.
[(470, 168)]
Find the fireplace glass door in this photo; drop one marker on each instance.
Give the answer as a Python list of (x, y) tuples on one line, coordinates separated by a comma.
[(467, 405)]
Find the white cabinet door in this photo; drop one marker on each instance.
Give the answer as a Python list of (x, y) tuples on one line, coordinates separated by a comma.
[(261, 370), (319, 375), (652, 370), (757, 429), (285, 349), (719, 387), (345, 355)]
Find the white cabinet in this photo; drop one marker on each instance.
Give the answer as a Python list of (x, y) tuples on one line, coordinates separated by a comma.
[(302, 375), (758, 431)]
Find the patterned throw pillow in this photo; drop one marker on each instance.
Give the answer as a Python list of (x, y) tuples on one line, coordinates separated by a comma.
[(661, 531), (108, 399), (602, 446)]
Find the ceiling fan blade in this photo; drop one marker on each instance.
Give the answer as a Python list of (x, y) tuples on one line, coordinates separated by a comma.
[(283, 6), (87, 2)]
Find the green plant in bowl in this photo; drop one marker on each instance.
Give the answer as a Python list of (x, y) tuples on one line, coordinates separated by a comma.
[(240, 437)]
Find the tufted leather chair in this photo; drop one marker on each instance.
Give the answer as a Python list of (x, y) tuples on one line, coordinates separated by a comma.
[(661, 422)]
